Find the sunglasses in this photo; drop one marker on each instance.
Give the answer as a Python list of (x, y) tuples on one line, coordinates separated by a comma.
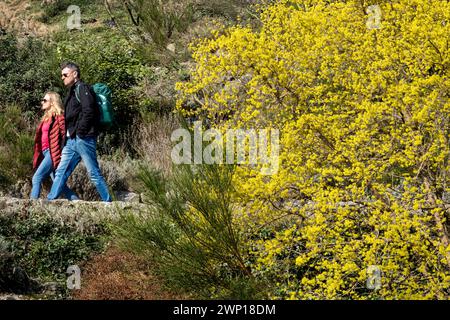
[(44, 100), (65, 75)]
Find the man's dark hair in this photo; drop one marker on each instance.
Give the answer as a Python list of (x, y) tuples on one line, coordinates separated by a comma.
[(72, 66)]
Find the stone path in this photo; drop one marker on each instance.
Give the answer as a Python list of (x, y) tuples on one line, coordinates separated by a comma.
[(70, 210)]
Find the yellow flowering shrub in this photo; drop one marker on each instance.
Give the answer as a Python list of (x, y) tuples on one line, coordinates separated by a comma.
[(359, 91)]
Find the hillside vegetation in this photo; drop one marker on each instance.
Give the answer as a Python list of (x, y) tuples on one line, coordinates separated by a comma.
[(356, 204)]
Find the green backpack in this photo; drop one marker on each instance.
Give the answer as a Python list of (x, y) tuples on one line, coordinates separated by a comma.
[(103, 98)]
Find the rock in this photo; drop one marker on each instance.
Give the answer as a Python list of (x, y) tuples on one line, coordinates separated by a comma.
[(146, 199), (171, 47), (127, 196), (10, 297), (82, 214), (110, 23)]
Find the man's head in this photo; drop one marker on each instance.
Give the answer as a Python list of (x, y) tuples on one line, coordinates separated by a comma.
[(70, 73)]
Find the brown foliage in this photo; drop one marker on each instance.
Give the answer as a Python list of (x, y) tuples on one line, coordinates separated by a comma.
[(118, 275)]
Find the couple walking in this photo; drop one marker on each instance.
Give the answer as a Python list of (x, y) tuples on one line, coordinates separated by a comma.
[(66, 135)]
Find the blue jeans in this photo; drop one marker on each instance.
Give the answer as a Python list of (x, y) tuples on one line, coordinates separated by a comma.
[(44, 170), (74, 151)]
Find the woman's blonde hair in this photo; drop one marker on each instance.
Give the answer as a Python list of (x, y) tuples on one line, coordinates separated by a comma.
[(56, 106)]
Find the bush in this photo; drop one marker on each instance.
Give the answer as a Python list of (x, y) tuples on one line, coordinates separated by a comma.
[(43, 247), (189, 232), (16, 146), (364, 157), (12, 277), (115, 173)]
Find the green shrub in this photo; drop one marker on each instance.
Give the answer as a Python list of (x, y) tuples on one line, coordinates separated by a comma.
[(189, 232), (27, 70), (58, 7), (43, 247), (16, 145)]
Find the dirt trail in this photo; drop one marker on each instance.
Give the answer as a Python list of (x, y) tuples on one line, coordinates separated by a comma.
[(16, 15)]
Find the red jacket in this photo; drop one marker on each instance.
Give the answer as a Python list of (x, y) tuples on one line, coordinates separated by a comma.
[(56, 139)]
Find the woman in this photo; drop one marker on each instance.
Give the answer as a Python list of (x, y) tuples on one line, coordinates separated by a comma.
[(48, 143)]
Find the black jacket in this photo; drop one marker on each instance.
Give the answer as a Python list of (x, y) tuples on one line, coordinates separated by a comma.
[(82, 117)]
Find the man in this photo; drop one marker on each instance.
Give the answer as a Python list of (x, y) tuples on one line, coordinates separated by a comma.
[(82, 121)]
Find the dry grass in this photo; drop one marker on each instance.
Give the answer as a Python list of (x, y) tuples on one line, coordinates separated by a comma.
[(152, 141), (118, 275), (114, 173)]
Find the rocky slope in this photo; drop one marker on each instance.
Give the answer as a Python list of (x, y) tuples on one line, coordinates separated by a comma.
[(16, 15)]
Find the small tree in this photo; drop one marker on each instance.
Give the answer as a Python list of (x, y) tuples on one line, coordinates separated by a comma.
[(189, 232)]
